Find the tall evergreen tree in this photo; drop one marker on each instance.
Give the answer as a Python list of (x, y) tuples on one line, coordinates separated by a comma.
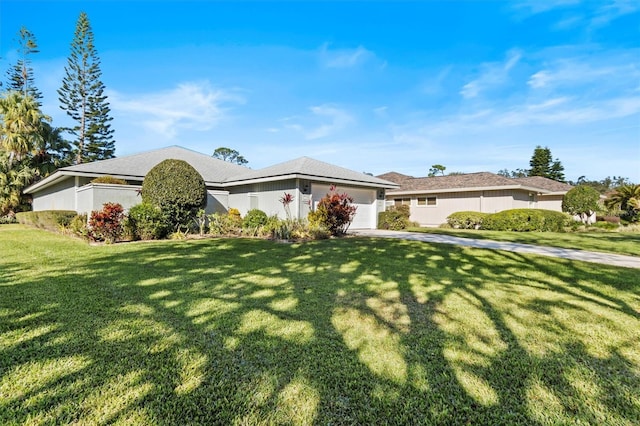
[(82, 97), (557, 171), (542, 164), (20, 75)]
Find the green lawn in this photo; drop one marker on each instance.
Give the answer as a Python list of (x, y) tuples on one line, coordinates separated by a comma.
[(608, 242), (348, 331)]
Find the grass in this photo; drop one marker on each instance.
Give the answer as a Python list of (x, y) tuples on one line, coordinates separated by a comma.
[(348, 331), (607, 242)]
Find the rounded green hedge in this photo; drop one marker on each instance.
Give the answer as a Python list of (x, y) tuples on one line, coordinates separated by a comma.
[(466, 219), (395, 218), (254, 218), (146, 222), (525, 220), (177, 188)]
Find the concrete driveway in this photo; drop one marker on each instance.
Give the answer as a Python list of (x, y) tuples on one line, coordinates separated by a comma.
[(585, 256)]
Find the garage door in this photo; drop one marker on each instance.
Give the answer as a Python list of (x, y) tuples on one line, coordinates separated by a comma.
[(363, 199)]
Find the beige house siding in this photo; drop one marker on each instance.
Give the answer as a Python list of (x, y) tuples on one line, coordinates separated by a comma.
[(489, 201), (550, 202)]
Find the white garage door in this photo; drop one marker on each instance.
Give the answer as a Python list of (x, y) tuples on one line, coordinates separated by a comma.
[(363, 199)]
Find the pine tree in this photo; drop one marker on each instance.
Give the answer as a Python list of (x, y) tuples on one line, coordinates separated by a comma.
[(542, 164), (20, 75), (557, 171), (82, 97)]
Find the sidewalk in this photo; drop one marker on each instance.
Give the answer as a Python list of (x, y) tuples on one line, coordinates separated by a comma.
[(585, 256)]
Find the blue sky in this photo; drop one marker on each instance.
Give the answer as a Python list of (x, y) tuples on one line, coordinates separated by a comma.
[(373, 86)]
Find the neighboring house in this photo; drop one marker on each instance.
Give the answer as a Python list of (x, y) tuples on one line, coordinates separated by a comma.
[(228, 185), (432, 199)]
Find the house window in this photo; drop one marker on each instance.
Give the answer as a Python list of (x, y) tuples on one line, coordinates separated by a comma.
[(401, 201), (427, 201)]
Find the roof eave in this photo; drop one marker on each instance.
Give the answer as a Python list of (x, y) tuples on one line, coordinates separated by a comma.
[(263, 179), (477, 189)]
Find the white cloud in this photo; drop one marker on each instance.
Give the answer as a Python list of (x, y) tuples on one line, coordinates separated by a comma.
[(593, 14), (381, 112), (538, 6), (190, 106), (613, 9), (325, 120), (338, 120), (493, 74), (575, 72), (344, 58)]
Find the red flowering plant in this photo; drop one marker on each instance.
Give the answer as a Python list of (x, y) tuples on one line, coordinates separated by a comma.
[(287, 199), (106, 224), (335, 211)]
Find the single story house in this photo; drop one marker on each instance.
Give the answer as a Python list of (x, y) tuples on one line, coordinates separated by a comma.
[(432, 199), (228, 185)]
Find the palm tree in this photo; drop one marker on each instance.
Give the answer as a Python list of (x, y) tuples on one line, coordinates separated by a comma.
[(20, 125), (14, 177), (627, 199), (52, 153)]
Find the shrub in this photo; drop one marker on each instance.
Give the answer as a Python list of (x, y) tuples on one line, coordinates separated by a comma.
[(235, 216), (395, 218), (78, 226), (110, 179), (47, 219), (466, 219), (607, 226), (106, 224), (254, 219), (146, 222), (177, 188), (627, 199), (335, 212), (224, 224), (292, 229), (524, 220), (581, 201), (8, 219), (318, 232), (201, 221)]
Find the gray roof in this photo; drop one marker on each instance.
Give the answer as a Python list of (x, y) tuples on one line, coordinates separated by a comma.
[(211, 169), (214, 172), (470, 181), (306, 167)]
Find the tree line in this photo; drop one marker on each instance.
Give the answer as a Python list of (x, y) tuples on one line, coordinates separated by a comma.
[(31, 147)]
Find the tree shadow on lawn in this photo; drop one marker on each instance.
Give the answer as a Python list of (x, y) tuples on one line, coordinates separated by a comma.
[(353, 331)]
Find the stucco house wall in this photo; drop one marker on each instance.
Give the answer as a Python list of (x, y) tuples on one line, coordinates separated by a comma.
[(217, 201), (433, 199), (264, 196), (93, 196), (550, 202), (451, 202), (60, 196)]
